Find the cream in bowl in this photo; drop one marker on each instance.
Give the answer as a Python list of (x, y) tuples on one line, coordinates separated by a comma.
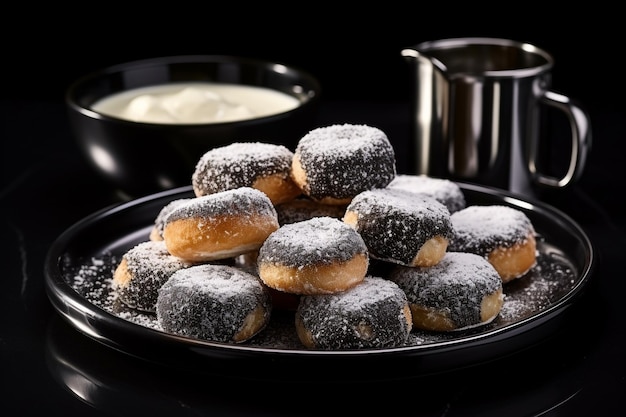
[(195, 102), (143, 125)]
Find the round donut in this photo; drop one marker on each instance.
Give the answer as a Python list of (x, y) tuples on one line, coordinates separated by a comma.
[(263, 166), (322, 255), (301, 209), (332, 164), (142, 270), (445, 191), (159, 222), (462, 291), (400, 226), (219, 303), (220, 225), (504, 235), (373, 314)]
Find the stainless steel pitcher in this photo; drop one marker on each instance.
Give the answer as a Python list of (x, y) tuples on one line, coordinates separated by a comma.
[(477, 104)]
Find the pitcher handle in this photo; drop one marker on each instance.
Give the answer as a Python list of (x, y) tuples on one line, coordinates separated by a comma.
[(580, 125)]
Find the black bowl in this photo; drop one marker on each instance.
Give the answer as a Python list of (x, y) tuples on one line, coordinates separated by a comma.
[(143, 158)]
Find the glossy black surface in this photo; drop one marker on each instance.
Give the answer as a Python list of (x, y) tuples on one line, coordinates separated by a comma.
[(49, 368), (150, 157)]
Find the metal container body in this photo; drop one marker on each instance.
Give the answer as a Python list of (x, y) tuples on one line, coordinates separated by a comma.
[(477, 105)]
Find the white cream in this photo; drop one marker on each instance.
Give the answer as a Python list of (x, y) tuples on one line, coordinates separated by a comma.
[(195, 103)]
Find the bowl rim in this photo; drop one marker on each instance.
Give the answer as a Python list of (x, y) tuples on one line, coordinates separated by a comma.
[(312, 95)]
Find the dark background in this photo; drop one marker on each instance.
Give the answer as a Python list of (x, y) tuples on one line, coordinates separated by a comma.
[(354, 52), (46, 187)]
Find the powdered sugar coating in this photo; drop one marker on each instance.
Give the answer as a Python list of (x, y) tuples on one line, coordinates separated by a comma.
[(340, 161), (369, 315), (443, 190), (455, 286), (320, 240), (149, 265), (481, 229), (544, 286), (210, 302), (244, 201), (239, 164), (395, 223)]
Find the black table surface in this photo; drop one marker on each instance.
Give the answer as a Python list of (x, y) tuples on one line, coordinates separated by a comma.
[(49, 366)]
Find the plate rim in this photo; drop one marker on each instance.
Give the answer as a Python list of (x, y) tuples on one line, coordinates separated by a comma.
[(85, 316)]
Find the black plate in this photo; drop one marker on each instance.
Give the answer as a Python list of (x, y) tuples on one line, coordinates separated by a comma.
[(80, 262)]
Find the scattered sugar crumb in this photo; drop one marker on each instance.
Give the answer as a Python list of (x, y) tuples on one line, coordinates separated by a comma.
[(546, 283)]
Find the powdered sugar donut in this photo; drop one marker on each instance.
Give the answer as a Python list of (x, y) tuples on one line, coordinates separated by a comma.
[(219, 303), (504, 235), (332, 164), (462, 291), (445, 191), (220, 225), (322, 255), (142, 271), (263, 166), (400, 226), (373, 314)]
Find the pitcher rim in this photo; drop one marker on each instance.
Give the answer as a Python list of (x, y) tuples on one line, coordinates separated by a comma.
[(422, 49)]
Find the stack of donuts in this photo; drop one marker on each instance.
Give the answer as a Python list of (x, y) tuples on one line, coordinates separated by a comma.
[(360, 254)]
